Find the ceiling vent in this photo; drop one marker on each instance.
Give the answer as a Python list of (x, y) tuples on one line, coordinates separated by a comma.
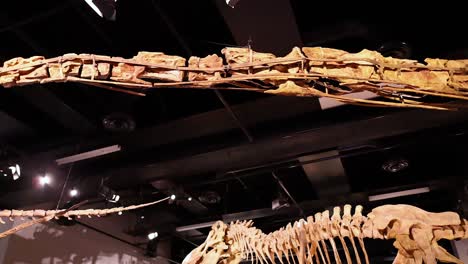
[(209, 197), (395, 165), (119, 122)]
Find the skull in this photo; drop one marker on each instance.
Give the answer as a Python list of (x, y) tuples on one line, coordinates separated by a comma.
[(213, 250)]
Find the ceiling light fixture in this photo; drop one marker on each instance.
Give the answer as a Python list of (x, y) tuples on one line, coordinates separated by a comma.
[(189, 199), (45, 180), (173, 197), (88, 154), (232, 3), (153, 235), (104, 8), (108, 194), (73, 192), (15, 171), (386, 196), (115, 198)]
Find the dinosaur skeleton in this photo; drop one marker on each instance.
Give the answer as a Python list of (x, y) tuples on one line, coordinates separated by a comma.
[(306, 72), (40, 216), (310, 71), (414, 230)]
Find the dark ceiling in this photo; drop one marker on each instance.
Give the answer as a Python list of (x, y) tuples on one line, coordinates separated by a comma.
[(224, 147)]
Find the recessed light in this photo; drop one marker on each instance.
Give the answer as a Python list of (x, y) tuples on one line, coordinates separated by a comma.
[(73, 192), (44, 180)]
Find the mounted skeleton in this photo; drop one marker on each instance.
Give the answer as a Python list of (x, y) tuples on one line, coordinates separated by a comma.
[(313, 72), (414, 230)]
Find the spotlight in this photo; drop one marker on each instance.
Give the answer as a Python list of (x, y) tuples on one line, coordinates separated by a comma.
[(104, 8), (15, 171), (173, 197), (119, 213), (44, 180), (73, 192), (153, 235), (232, 3), (115, 198), (280, 201), (142, 217), (109, 194), (189, 199)]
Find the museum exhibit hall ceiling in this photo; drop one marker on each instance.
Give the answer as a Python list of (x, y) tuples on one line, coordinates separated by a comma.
[(288, 109)]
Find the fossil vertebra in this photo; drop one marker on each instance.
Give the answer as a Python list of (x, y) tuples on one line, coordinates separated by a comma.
[(310, 71), (415, 231)]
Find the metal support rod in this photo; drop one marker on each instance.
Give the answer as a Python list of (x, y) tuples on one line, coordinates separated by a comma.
[(284, 164), (64, 5), (97, 29), (186, 240), (287, 192), (161, 14), (234, 116), (185, 46)]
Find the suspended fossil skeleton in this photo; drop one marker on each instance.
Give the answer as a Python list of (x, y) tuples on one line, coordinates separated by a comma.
[(415, 231), (41, 216), (306, 72)]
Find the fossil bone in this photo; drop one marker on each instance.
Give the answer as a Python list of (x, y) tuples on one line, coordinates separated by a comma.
[(416, 233), (310, 72)]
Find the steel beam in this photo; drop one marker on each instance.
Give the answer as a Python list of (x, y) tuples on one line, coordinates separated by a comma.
[(310, 207), (11, 129), (294, 145), (186, 47), (38, 16), (42, 98), (56, 108)]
